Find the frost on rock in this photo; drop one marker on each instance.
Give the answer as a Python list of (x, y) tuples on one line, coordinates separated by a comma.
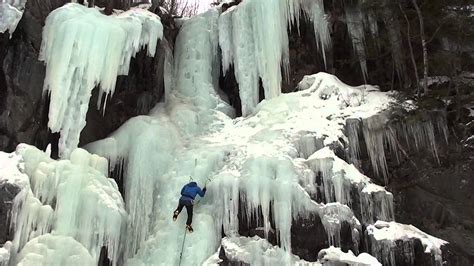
[(83, 49), (67, 198), (54, 250), (383, 236)]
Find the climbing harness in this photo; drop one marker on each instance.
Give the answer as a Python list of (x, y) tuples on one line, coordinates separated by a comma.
[(182, 246)]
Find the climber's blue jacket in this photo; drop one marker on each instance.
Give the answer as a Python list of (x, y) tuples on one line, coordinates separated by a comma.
[(189, 191)]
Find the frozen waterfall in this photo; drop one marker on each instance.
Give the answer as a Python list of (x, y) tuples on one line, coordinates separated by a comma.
[(277, 168)]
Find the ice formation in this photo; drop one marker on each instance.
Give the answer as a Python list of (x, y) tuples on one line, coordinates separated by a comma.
[(247, 30), (54, 250), (83, 48), (63, 205), (5, 253), (339, 178), (253, 162), (424, 132), (10, 16), (386, 233)]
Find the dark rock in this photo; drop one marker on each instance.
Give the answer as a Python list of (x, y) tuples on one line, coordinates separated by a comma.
[(23, 118), (8, 192), (406, 252), (226, 262), (308, 237)]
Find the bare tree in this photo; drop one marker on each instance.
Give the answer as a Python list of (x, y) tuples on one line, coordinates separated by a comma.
[(423, 44), (410, 47), (178, 7)]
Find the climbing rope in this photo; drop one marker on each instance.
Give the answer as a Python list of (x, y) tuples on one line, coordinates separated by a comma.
[(182, 246)]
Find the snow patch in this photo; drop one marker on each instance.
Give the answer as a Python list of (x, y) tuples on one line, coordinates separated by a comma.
[(257, 251), (336, 255), (11, 167)]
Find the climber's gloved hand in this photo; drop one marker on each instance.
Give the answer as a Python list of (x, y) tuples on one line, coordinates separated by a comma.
[(204, 189)]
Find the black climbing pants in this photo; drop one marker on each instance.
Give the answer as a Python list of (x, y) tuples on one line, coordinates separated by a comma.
[(189, 209)]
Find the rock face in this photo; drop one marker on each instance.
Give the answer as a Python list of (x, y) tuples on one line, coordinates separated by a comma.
[(438, 198), (8, 192)]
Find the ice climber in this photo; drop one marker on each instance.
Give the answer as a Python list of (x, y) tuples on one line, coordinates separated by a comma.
[(188, 193)]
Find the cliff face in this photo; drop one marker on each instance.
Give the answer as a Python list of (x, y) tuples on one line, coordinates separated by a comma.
[(434, 196)]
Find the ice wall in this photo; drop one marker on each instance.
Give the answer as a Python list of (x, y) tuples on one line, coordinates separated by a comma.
[(83, 49), (63, 205), (250, 165)]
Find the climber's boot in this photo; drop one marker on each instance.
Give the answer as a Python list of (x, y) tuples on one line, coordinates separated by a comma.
[(189, 228)]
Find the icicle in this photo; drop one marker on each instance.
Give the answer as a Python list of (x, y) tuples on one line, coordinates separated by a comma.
[(83, 48), (355, 26), (417, 133), (339, 179), (246, 71), (392, 25), (315, 11), (226, 39), (352, 132)]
